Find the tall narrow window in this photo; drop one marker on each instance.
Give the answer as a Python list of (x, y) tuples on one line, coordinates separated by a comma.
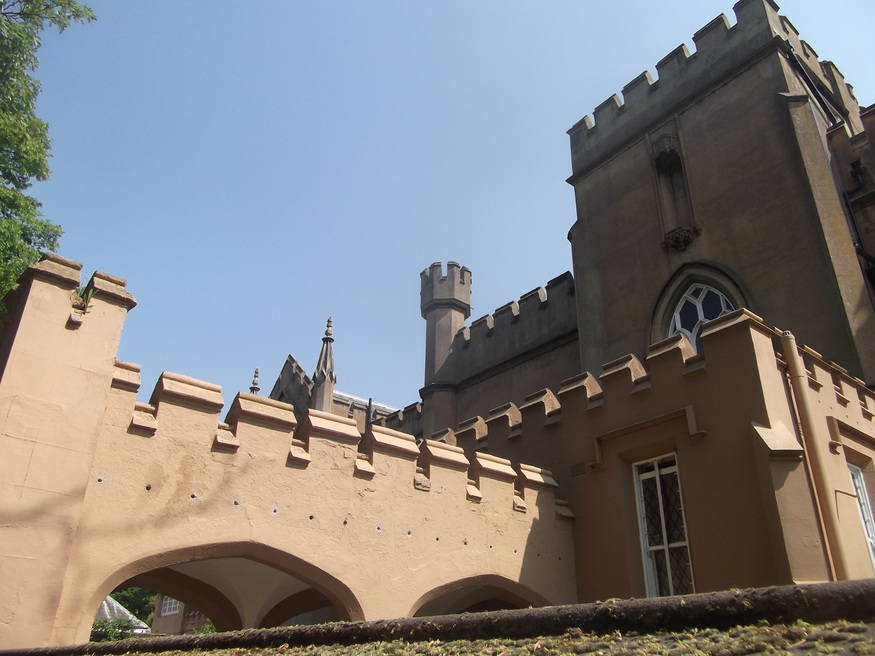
[(663, 530), (699, 304), (865, 508)]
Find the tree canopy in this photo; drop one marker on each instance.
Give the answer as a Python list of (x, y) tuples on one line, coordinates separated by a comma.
[(24, 139), (138, 601)]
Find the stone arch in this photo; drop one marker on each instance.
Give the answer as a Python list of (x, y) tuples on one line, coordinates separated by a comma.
[(709, 274), (483, 592), (193, 592), (153, 569), (296, 604)]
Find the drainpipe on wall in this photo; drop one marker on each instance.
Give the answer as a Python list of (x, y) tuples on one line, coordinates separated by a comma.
[(815, 454)]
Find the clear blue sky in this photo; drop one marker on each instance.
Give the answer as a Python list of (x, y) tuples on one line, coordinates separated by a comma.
[(252, 168)]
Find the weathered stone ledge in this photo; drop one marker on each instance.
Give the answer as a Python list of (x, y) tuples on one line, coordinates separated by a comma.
[(818, 602)]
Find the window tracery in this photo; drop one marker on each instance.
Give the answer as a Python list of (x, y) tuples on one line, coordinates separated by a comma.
[(699, 304)]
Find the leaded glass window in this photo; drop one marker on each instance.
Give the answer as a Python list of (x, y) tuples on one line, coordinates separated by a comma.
[(699, 304), (666, 553), (169, 606), (865, 508)]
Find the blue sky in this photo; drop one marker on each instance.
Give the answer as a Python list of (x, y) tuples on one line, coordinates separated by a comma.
[(253, 168)]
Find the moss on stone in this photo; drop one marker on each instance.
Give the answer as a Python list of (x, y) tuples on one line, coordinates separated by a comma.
[(839, 637)]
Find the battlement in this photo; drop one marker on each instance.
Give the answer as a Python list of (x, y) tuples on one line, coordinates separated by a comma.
[(452, 289), (89, 466), (408, 419), (721, 49), (183, 413), (541, 316), (568, 432)]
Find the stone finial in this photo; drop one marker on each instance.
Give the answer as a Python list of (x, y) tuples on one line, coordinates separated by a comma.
[(254, 388), (324, 377), (325, 364)]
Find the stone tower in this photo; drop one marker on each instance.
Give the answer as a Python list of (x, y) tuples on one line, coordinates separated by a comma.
[(718, 176), (445, 302)]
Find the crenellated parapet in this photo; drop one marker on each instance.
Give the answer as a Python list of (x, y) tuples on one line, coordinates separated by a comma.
[(721, 48), (571, 432), (103, 487), (450, 289), (184, 413), (544, 316), (407, 420)]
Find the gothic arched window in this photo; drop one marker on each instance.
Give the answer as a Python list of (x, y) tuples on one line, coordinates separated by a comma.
[(700, 303)]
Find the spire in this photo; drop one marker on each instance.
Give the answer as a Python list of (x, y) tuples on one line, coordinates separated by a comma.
[(324, 378)]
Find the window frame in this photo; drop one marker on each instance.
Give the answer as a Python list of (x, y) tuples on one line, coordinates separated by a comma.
[(689, 296), (169, 606), (864, 506), (648, 559), (677, 287)]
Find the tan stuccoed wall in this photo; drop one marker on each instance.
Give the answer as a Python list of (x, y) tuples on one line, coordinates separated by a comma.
[(53, 389), (98, 488), (730, 416)]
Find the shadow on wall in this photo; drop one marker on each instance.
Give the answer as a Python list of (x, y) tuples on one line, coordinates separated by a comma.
[(475, 594)]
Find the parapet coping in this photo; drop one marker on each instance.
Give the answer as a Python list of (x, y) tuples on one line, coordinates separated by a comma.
[(386, 440), (448, 454), (59, 270), (515, 312), (493, 466), (178, 386)]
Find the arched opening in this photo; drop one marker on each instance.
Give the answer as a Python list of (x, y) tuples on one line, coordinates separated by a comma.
[(240, 585), (306, 607), (479, 593), (699, 304), (696, 294), (194, 593), (125, 613)]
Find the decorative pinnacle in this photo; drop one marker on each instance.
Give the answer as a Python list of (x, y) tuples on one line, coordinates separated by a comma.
[(325, 364), (255, 389)]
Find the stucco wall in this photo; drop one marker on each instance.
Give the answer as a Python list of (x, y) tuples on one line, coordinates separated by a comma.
[(100, 488)]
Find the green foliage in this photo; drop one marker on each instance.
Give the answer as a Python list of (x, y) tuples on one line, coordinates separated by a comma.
[(110, 630), (208, 627), (139, 601), (24, 139)]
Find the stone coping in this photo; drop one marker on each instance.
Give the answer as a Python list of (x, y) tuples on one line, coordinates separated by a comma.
[(815, 602)]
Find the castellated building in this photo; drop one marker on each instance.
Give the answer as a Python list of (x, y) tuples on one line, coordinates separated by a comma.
[(636, 428)]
